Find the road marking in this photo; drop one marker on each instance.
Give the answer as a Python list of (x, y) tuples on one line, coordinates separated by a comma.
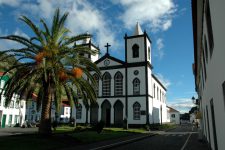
[(180, 135), (126, 141), (186, 142), (166, 134)]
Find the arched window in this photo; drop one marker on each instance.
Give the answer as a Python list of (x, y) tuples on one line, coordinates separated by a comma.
[(106, 84), (136, 86), (135, 49), (136, 111), (79, 111), (118, 84), (97, 83)]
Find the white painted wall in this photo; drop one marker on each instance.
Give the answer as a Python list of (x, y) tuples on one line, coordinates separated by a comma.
[(215, 75), (175, 117), (14, 111), (111, 63), (131, 101), (140, 76), (140, 42)]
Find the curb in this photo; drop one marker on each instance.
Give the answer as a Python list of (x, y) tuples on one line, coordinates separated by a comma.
[(123, 142)]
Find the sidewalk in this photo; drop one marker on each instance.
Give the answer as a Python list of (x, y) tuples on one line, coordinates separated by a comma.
[(195, 144), (16, 130)]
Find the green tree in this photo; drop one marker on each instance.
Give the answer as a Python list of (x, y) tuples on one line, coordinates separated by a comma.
[(50, 64)]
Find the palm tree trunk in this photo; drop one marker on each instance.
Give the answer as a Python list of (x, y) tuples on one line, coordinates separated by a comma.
[(45, 124)]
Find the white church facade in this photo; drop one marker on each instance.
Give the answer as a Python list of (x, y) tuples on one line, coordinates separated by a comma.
[(128, 89)]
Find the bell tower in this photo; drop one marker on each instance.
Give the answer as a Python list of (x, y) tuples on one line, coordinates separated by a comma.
[(137, 46)]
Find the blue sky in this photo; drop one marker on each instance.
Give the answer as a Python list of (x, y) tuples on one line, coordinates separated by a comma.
[(167, 22)]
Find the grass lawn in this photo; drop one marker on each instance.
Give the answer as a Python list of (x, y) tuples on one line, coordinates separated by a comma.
[(34, 142), (64, 137)]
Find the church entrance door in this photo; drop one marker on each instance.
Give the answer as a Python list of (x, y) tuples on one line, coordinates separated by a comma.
[(108, 118), (94, 114), (106, 112), (118, 114)]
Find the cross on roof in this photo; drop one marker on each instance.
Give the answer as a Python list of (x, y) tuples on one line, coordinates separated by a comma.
[(107, 48)]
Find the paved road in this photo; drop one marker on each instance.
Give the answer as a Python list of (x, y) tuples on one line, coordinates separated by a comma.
[(14, 131), (177, 139)]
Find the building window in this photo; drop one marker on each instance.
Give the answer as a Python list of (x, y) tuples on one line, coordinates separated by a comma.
[(11, 104), (106, 84), (223, 86), (97, 83), (136, 86), (213, 124), (66, 111), (79, 111), (10, 120), (137, 111), (154, 90), (16, 119), (209, 27), (21, 104), (204, 67), (118, 83), (135, 49), (17, 104), (172, 115), (206, 49), (149, 53)]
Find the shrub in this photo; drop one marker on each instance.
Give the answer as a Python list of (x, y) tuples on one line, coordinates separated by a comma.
[(125, 126), (147, 127), (17, 125), (154, 126)]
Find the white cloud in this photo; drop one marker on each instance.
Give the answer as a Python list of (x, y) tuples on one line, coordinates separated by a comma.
[(160, 45), (182, 104), (83, 17), (8, 44), (12, 3), (20, 33), (158, 14), (165, 82)]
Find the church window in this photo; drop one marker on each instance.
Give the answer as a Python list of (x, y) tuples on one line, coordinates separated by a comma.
[(157, 93), (106, 84), (149, 53), (135, 49), (118, 81), (79, 111), (136, 86), (136, 111), (97, 83), (160, 96), (136, 72)]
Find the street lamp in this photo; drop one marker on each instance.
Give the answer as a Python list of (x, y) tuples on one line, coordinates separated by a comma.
[(195, 101)]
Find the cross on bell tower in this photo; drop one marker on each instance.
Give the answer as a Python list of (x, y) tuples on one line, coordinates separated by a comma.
[(107, 48)]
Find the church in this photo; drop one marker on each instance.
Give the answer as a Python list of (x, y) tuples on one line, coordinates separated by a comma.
[(128, 89)]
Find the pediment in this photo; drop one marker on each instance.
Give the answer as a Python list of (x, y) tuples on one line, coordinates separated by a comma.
[(107, 61)]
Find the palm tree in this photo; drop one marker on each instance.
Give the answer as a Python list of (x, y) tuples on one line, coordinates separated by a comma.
[(49, 64)]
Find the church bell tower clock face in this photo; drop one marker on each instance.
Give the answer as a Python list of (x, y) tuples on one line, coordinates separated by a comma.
[(106, 62)]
